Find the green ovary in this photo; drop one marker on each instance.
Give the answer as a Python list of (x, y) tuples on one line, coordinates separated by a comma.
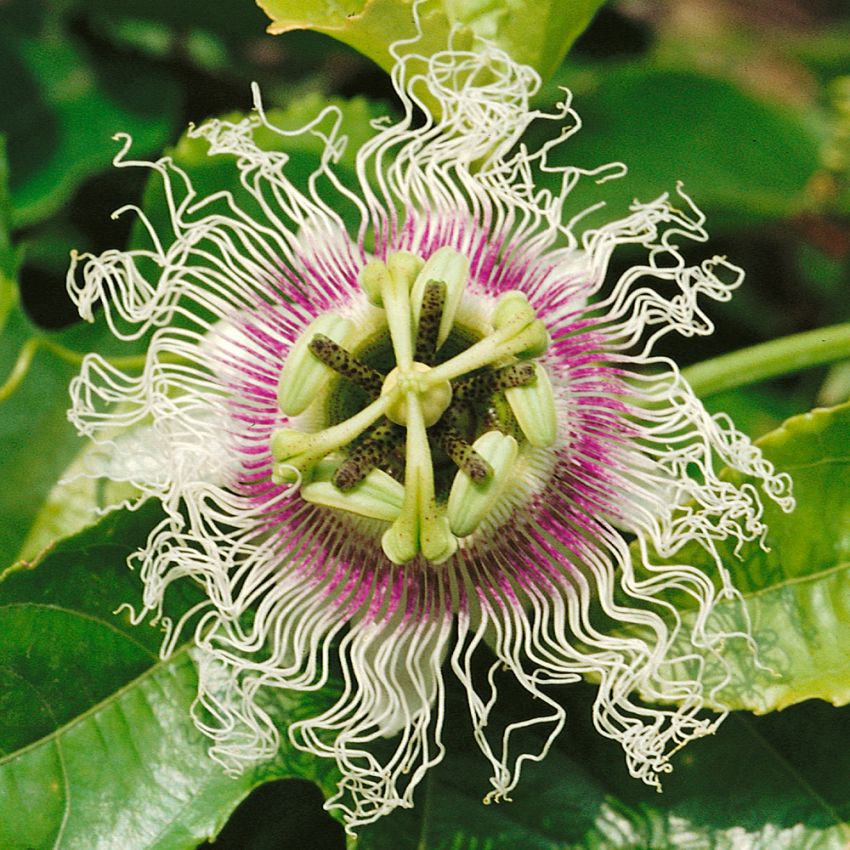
[(425, 418)]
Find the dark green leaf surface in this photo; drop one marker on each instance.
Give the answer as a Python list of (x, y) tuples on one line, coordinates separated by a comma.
[(532, 32), (61, 111), (38, 442), (742, 160), (98, 748), (775, 783)]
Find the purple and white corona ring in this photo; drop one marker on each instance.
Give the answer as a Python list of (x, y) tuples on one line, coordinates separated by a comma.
[(396, 425)]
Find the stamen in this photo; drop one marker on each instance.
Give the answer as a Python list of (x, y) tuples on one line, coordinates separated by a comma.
[(463, 454), (337, 358), (303, 376), (482, 385), (452, 267), (430, 316), (533, 405), (378, 496), (375, 450), (516, 333)]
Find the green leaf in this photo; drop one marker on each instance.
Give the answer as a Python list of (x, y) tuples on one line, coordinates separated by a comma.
[(8, 259), (37, 440), (61, 110), (40, 444), (796, 591), (742, 160), (532, 32), (774, 783), (97, 743)]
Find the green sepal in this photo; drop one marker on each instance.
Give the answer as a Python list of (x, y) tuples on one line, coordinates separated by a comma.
[(377, 496), (469, 503), (304, 376), (533, 405)]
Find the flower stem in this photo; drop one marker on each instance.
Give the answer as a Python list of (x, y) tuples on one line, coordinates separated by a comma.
[(34, 344), (769, 360)]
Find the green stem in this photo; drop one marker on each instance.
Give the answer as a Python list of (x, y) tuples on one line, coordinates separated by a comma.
[(769, 360), (32, 346)]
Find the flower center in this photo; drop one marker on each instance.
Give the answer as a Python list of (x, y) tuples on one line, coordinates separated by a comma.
[(432, 446), (433, 399)]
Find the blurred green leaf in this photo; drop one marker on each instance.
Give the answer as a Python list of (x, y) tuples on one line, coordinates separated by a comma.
[(742, 160), (773, 783), (228, 20), (532, 32), (754, 410), (8, 259), (796, 591), (98, 748), (38, 442), (60, 110)]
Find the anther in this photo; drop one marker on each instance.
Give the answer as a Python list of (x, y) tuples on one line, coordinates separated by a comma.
[(482, 385), (337, 358), (463, 454), (430, 316), (533, 405), (375, 450), (452, 267), (304, 376)]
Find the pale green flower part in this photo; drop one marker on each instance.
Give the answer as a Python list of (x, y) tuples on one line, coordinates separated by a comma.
[(379, 450)]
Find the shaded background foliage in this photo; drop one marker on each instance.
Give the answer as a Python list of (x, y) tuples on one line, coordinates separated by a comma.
[(748, 103)]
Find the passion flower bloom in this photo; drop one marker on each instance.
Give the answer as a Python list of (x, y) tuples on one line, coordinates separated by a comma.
[(393, 424)]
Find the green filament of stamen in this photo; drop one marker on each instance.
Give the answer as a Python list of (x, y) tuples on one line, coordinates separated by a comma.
[(301, 451), (512, 339)]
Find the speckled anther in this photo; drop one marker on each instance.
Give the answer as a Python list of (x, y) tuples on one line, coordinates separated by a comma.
[(332, 354), (488, 383), (463, 454), (375, 450), (430, 316)]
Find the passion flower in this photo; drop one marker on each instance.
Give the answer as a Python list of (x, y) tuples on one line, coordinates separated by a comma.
[(392, 424)]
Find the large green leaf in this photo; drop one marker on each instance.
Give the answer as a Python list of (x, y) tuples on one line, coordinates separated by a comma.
[(742, 160), (773, 783), (796, 590), (533, 32), (98, 749)]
